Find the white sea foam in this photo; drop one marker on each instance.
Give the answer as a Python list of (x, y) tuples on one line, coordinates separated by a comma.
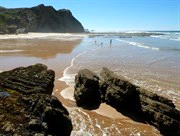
[(10, 51), (141, 45), (68, 93), (56, 36), (135, 32), (69, 78), (169, 36), (82, 122)]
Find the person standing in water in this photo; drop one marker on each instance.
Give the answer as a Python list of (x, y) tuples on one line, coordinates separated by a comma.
[(110, 42), (101, 44)]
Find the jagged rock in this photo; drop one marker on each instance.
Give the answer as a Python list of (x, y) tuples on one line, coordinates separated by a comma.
[(86, 92), (51, 111), (137, 103), (28, 112), (118, 93), (35, 113), (40, 18), (37, 125), (32, 79), (157, 110)]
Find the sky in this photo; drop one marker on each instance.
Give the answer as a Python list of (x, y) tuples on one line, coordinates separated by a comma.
[(115, 15)]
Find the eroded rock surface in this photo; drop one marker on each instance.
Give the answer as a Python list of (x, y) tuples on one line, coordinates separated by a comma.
[(142, 104), (87, 92), (27, 80), (135, 102), (26, 110)]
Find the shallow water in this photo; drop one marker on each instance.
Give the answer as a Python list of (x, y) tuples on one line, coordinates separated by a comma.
[(151, 62)]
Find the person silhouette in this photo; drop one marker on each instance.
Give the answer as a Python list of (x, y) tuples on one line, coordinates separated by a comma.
[(110, 41), (101, 44)]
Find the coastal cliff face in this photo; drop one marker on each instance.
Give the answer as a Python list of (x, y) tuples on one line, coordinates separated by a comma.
[(38, 19), (26, 105)]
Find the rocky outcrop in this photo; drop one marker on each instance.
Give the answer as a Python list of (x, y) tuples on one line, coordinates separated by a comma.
[(38, 19), (138, 104), (29, 115), (116, 91), (27, 80), (27, 111), (86, 92)]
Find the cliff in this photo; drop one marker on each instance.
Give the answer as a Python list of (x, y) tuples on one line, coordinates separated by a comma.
[(38, 19)]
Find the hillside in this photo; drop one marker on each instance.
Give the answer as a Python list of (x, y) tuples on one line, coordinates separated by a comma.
[(38, 19)]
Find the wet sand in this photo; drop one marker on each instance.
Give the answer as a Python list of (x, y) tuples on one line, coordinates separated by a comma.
[(57, 55)]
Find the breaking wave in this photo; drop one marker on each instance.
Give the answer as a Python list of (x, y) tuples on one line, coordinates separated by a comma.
[(175, 36), (141, 45)]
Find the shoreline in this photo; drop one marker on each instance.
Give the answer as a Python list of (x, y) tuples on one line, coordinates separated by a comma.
[(58, 56), (56, 36)]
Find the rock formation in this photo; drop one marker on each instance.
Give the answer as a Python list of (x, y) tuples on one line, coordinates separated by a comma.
[(137, 103), (27, 80), (87, 93), (27, 111), (38, 19)]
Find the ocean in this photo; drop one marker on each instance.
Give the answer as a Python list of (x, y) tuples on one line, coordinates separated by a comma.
[(150, 60)]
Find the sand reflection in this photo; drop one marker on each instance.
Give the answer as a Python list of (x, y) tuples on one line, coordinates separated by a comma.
[(40, 48)]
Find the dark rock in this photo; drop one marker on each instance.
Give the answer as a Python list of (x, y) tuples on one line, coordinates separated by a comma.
[(39, 19), (87, 92), (27, 112), (35, 113), (50, 110), (32, 79), (117, 92), (37, 125), (12, 29), (139, 103)]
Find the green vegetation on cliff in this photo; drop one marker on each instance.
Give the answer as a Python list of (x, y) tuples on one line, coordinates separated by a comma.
[(38, 19)]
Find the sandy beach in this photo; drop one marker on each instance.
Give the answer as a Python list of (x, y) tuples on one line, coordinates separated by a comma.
[(65, 54)]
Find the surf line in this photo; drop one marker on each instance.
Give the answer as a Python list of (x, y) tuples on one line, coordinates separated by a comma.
[(65, 75), (141, 45)]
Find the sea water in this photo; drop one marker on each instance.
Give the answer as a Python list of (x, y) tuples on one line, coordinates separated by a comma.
[(151, 62)]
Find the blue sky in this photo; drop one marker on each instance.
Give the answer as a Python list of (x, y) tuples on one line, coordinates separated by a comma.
[(115, 15)]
